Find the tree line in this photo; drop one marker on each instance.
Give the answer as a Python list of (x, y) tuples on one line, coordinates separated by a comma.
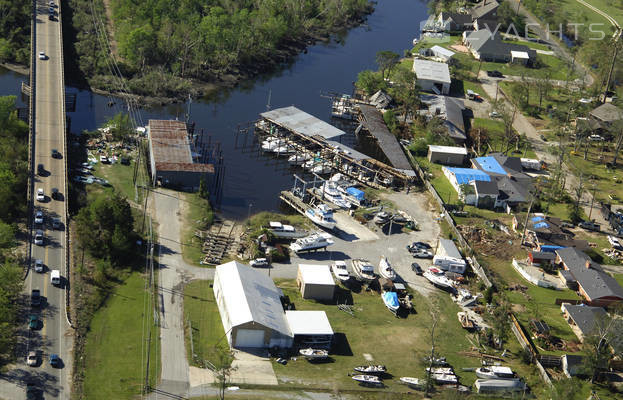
[(15, 31), (200, 39)]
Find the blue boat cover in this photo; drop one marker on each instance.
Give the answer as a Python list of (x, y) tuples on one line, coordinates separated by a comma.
[(356, 193), (391, 298)]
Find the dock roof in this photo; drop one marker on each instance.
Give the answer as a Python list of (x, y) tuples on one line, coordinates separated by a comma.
[(372, 121), (170, 147), (302, 123)]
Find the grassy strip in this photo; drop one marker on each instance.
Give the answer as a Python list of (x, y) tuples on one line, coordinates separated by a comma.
[(113, 345), (197, 214), (202, 316)]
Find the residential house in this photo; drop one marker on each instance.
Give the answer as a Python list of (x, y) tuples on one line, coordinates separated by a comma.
[(602, 118), (381, 100), (450, 111), (513, 184), (447, 155), (463, 176), (453, 22), (595, 285), (572, 365), (583, 319), (486, 194), (487, 46), (432, 76), (548, 235), (538, 258), (485, 15)]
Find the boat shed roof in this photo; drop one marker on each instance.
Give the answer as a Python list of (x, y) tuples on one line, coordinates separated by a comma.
[(308, 323), (432, 70), (300, 122), (443, 51), (349, 151), (316, 274), (447, 248), (251, 296)]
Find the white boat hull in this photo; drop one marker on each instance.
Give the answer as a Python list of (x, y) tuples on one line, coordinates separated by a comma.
[(412, 382), (385, 269)]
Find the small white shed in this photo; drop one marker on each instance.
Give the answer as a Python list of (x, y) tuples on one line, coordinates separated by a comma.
[(315, 282), (310, 329), (441, 52)]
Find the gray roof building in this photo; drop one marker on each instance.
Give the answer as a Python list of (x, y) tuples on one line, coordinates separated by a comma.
[(607, 113), (431, 70), (595, 285), (487, 9), (486, 188), (584, 317), (489, 46), (454, 21), (449, 109)]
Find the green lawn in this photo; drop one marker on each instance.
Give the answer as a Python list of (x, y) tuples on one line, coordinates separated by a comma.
[(114, 363), (532, 45), (196, 215), (201, 313), (552, 65)]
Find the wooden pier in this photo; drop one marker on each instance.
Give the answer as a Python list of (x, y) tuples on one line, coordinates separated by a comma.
[(293, 201)]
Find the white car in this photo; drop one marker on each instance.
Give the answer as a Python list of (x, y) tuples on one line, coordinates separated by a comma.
[(32, 358), (596, 138), (39, 266), (40, 195), (39, 237), (259, 262), (39, 217), (42, 55), (495, 114)]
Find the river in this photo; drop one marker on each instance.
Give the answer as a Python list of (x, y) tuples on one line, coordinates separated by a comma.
[(252, 183)]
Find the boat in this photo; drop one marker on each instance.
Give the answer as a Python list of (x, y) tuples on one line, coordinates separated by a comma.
[(495, 372), (381, 217), (321, 215), (499, 385), (331, 193), (391, 301), (386, 270), (280, 230), (615, 242), (340, 272), (412, 382), (441, 370), (364, 270), (444, 378), (314, 354), (298, 158), (438, 278), (321, 168), (371, 369), (465, 320), (368, 379), (283, 150), (437, 360), (315, 241)]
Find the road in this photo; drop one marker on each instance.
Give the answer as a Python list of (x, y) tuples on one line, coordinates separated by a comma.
[(55, 335)]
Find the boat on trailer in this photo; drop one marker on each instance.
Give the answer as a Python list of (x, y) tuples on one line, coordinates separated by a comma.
[(371, 369), (314, 354), (367, 379)]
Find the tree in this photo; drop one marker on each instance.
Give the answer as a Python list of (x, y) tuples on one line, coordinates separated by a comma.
[(120, 127), (370, 82), (604, 343), (386, 60), (204, 193), (222, 361), (617, 129)]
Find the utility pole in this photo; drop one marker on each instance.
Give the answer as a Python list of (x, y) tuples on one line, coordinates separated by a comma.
[(525, 223), (590, 212), (614, 57), (497, 84)]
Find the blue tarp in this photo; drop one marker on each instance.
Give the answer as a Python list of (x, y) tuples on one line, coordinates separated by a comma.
[(356, 193), (537, 219), (490, 164), (551, 248), (465, 175), (391, 298), (541, 225)]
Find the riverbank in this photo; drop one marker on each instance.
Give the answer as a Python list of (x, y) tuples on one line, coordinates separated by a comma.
[(18, 68)]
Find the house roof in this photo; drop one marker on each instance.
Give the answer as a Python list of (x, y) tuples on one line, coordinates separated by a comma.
[(489, 164), (316, 274), (585, 317), (454, 117), (441, 50), (607, 113), (447, 149), (543, 255), (594, 281), (301, 122), (431, 70), (308, 323), (484, 8), (251, 296), (381, 99), (484, 187), (512, 191), (447, 248), (484, 41), (466, 175), (459, 19)]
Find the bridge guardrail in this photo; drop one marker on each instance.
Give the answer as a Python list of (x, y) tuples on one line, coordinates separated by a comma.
[(31, 130)]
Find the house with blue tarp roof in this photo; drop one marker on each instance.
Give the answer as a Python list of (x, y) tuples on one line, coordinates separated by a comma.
[(548, 235)]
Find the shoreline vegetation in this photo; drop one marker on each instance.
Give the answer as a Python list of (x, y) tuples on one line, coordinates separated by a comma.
[(167, 52)]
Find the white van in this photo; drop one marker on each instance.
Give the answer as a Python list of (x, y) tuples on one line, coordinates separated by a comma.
[(55, 277)]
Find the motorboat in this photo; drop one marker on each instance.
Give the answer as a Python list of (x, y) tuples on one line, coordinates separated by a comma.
[(465, 320), (371, 369), (386, 270), (314, 354), (321, 215), (340, 271), (495, 372), (391, 301), (411, 382), (437, 360), (438, 278), (444, 378), (499, 385), (282, 231), (615, 242), (441, 370), (315, 241), (283, 150), (331, 193), (368, 379), (364, 270), (298, 158), (381, 217)]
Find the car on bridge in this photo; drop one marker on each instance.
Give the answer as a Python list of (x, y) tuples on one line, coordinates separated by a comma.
[(32, 359), (56, 154), (35, 298), (40, 194), (40, 169), (55, 361), (39, 217), (42, 56), (56, 195), (39, 267), (33, 321), (39, 237)]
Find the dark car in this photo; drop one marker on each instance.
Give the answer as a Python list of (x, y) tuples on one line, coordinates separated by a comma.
[(56, 195), (35, 298), (55, 360), (495, 74), (415, 267), (417, 246), (56, 154), (40, 169), (33, 321), (56, 223), (589, 226)]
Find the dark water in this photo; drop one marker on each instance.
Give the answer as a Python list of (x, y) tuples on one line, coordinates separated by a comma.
[(249, 179)]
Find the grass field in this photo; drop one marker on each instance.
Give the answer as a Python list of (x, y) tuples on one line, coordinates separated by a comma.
[(114, 363), (197, 214), (201, 313)]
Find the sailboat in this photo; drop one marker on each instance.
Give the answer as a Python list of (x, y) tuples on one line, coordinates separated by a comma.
[(386, 270)]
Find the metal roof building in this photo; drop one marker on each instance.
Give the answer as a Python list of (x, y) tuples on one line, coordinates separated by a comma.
[(315, 282), (302, 123), (250, 307), (170, 155), (310, 329), (432, 76)]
